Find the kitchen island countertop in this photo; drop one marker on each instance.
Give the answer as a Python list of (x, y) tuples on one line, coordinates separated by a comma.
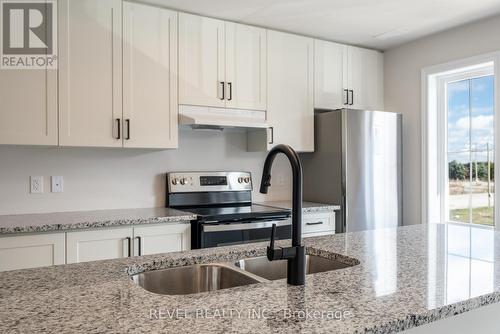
[(397, 281)]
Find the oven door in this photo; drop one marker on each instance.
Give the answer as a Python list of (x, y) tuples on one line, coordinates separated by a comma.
[(226, 234)]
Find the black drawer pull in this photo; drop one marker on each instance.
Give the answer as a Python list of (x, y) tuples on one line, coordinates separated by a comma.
[(127, 121), (119, 135), (223, 90), (316, 223), (230, 85), (139, 245), (129, 242)]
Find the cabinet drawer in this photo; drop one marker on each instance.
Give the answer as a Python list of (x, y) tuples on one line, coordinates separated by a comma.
[(318, 222)]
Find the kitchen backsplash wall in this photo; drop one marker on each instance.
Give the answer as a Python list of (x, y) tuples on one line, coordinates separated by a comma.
[(122, 178)]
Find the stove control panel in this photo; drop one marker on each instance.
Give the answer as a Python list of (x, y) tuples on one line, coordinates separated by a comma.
[(182, 182)]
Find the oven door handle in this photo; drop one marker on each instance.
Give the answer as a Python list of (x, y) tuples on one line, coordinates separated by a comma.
[(246, 226)]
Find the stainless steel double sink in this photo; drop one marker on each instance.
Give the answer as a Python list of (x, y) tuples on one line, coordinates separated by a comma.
[(216, 276)]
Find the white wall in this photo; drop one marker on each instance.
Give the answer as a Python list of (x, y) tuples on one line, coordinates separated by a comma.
[(117, 178), (403, 67)]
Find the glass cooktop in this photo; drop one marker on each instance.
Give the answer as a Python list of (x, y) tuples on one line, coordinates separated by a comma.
[(224, 213)]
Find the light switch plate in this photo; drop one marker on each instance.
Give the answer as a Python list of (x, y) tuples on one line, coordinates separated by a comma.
[(57, 184), (36, 184)]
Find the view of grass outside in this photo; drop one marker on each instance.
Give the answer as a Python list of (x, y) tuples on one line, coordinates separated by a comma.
[(471, 151)]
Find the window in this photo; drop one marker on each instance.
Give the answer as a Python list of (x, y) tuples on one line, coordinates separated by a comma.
[(470, 150), (459, 166)]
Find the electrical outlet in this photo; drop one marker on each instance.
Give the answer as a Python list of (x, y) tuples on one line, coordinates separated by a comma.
[(36, 184), (57, 184)]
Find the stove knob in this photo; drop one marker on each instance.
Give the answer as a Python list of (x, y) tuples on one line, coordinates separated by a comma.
[(175, 181), (183, 181), (247, 180), (240, 180)]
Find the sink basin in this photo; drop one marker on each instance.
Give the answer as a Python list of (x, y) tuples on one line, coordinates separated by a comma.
[(194, 279), (274, 270)]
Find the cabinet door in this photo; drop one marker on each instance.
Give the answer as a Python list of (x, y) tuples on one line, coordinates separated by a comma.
[(330, 75), (98, 245), (365, 78), (28, 114), (201, 61), (89, 72), (31, 251), (162, 239), (290, 90), (374, 80), (246, 67), (149, 76)]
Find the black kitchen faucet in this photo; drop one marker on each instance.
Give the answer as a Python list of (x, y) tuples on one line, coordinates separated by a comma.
[(296, 255)]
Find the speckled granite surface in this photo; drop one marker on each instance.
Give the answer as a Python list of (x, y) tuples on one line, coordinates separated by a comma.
[(401, 281), (307, 207), (89, 219)]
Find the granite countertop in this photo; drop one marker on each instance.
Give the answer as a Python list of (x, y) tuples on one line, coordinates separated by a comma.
[(400, 281), (307, 207), (60, 221)]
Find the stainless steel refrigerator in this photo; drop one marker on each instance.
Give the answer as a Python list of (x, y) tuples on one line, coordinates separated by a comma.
[(357, 164)]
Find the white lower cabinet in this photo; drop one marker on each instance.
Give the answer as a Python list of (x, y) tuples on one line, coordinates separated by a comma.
[(99, 244), (318, 223), (31, 251), (115, 243), (162, 239)]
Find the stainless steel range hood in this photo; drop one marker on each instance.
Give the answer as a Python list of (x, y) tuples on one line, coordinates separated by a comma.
[(199, 117)]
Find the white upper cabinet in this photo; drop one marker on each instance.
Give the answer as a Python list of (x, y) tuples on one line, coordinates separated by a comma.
[(149, 76), (330, 77), (117, 75), (221, 64), (90, 100), (201, 61), (365, 79), (347, 77), (28, 110), (246, 51), (290, 91)]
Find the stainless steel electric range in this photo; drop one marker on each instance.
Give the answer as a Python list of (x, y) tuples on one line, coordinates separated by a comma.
[(223, 203)]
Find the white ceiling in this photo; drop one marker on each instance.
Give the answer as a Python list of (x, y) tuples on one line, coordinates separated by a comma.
[(379, 24)]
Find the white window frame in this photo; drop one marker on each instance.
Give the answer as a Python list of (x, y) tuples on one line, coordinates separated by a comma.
[(486, 69), (434, 114)]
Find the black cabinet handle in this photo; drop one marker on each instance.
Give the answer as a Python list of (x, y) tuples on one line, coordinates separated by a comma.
[(271, 128), (230, 85), (223, 90), (129, 243), (352, 97), (346, 97), (119, 134), (127, 121), (316, 223), (139, 245)]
